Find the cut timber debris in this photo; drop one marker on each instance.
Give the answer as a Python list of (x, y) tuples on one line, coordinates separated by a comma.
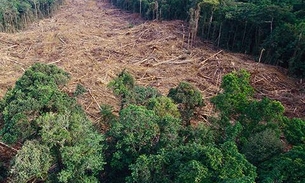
[(3, 145), (203, 62), (93, 41)]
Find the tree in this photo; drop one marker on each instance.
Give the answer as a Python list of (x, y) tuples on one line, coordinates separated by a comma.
[(130, 93), (194, 163), (188, 97), (67, 151), (239, 110), (3, 171), (17, 14), (142, 94), (236, 167), (170, 129), (286, 167), (35, 93), (208, 10), (76, 146), (66, 146), (163, 106), (135, 133), (139, 131), (236, 91), (294, 130), (31, 163), (107, 117), (122, 86), (262, 146)]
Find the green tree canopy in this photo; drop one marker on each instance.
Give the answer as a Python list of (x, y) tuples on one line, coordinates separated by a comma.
[(294, 130), (287, 167), (35, 93), (61, 144), (32, 162), (188, 97), (238, 107), (194, 163), (124, 86)]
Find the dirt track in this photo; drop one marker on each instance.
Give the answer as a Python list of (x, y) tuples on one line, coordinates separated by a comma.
[(94, 41)]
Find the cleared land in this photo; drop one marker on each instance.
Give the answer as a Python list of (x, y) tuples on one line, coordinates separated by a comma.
[(94, 41)]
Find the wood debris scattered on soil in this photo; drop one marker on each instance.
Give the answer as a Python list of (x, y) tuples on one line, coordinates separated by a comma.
[(7, 151), (94, 41)]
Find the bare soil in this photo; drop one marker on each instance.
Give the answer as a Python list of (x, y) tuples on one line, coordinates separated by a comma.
[(94, 41)]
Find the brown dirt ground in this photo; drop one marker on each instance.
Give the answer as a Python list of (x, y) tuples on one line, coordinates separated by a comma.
[(94, 41)]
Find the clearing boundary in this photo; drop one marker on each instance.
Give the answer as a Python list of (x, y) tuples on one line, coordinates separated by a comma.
[(94, 41)]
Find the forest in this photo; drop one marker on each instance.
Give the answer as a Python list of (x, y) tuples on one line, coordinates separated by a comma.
[(270, 30), (17, 14), (153, 137)]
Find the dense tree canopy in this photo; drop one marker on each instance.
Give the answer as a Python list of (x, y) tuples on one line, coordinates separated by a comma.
[(60, 143), (287, 167), (16, 14), (151, 138), (35, 93), (233, 148), (188, 97), (246, 141)]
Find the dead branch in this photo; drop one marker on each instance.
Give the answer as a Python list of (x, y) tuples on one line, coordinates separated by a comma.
[(206, 77), (150, 78), (164, 62), (8, 42), (210, 57), (13, 46), (54, 62), (60, 39), (9, 147), (260, 55), (86, 109), (17, 63), (142, 61), (177, 62), (94, 99), (27, 51), (170, 61)]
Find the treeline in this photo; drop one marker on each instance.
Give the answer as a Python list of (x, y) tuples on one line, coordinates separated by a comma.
[(154, 138), (271, 30), (16, 14)]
